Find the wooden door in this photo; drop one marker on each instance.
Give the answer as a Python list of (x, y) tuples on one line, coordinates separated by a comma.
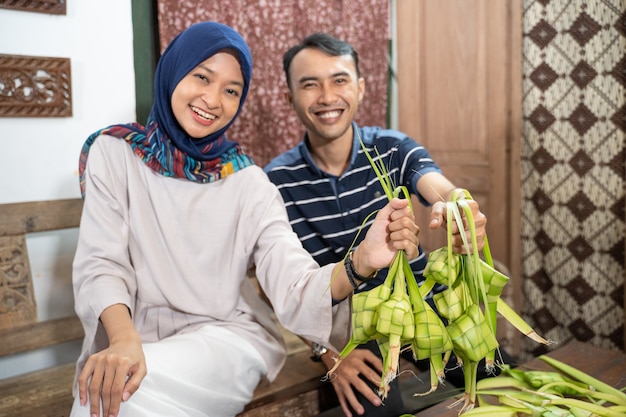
[(459, 94)]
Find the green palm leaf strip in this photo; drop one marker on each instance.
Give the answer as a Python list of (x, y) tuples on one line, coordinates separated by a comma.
[(564, 391)]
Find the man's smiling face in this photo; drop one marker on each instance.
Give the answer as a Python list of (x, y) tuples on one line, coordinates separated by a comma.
[(325, 92)]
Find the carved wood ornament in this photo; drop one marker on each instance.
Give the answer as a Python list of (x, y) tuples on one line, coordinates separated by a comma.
[(17, 296), (35, 86), (41, 6)]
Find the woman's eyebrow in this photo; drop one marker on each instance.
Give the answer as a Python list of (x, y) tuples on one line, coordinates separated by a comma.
[(211, 71)]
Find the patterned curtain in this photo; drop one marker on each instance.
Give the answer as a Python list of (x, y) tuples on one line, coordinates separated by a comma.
[(573, 171), (267, 126)]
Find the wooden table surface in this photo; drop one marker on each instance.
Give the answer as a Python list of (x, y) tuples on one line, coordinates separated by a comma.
[(606, 365)]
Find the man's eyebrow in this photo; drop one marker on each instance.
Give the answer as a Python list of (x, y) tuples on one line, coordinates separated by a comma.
[(211, 71), (305, 79), (335, 75)]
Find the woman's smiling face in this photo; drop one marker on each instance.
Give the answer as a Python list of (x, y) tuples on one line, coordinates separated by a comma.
[(208, 98)]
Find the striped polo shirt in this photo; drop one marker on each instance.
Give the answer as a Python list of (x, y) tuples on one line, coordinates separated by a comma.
[(327, 212)]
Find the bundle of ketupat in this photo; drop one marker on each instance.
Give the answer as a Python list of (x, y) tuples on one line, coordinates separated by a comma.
[(471, 300), (396, 315)]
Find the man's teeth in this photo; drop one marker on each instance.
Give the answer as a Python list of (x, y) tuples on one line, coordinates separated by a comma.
[(330, 114), (203, 113)]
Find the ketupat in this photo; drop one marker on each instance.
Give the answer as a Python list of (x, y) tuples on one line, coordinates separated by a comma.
[(395, 307), (387, 314), (395, 322), (474, 287), (469, 303)]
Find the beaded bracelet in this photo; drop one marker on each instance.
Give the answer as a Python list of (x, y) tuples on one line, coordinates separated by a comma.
[(353, 275)]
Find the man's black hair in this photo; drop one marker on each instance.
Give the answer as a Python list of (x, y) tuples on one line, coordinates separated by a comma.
[(325, 43)]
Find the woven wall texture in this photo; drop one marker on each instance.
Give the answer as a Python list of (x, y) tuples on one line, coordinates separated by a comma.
[(573, 172), (268, 126)]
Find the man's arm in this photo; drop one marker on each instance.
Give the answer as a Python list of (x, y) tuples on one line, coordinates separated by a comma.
[(433, 186)]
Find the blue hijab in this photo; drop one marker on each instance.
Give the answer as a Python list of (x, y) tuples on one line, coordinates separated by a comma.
[(162, 144), (191, 47)]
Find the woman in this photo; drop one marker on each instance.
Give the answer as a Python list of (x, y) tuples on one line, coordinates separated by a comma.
[(174, 216)]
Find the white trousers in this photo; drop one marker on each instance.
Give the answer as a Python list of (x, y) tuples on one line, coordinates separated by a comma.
[(210, 372)]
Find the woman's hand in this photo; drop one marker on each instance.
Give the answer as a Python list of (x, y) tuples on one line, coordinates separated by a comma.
[(115, 373), (393, 229)]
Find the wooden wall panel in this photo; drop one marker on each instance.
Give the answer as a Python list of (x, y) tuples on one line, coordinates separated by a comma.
[(454, 72), (459, 78)]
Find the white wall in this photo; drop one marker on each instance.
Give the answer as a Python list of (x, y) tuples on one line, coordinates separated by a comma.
[(39, 156)]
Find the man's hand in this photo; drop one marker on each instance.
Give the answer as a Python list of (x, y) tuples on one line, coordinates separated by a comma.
[(346, 378), (438, 218)]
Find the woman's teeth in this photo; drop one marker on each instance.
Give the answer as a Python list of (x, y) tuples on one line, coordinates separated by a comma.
[(203, 114)]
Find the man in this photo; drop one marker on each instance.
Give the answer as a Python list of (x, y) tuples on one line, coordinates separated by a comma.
[(329, 189)]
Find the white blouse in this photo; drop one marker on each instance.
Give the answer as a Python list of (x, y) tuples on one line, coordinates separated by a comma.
[(177, 254)]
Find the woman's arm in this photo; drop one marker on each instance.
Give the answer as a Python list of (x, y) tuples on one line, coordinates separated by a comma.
[(393, 229), (113, 374)]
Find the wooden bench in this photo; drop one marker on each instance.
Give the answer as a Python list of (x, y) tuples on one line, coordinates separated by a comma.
[(46, 392), (298, 390)]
